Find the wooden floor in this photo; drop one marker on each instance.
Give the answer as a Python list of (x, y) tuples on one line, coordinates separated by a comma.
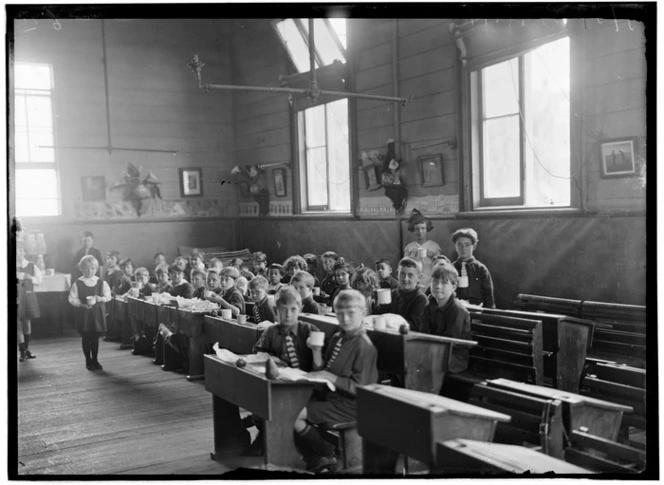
[(130, 418)]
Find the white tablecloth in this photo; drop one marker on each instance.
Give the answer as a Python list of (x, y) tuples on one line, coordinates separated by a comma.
[(59, 282)]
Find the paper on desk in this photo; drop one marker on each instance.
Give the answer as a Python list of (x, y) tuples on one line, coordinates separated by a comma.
[(229, 357), (265, 324), (290, 374)]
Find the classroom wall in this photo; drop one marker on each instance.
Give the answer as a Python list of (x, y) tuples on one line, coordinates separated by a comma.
[(596, 255), (154, 104)]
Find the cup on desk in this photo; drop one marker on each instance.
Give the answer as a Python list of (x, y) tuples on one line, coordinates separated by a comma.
[(241, 319), (384, 296), (270, 300), (317, 339), (316, 290), (226, 314), (91, 300), (208, 293), (421, 252), (380, 323), (50, 272), (134, 292)]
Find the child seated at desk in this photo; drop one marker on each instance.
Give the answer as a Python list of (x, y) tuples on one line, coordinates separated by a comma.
[(445, 315), (181, 263), (216, 264), (475, 284), (124, 285), (274, 274), (158, 259), (384, 271), (349, 361), (329, 283), (113, 271), (196, 261), (343, 272), (259, 262), (292, 266), (408, 300), (214, 281), (180, 286), (366, 282), (312, 267), (262, 309), (303, 283), (286, 343), (231, 298), (163, 279), (198, 277), (142, 276)]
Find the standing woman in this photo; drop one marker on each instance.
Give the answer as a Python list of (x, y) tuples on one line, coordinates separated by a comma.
[(28, 276), (89, 295)]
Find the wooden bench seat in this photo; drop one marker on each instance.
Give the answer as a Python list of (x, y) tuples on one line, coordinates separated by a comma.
[(534, 420), (602, 455), (548, 304), (507, 347)]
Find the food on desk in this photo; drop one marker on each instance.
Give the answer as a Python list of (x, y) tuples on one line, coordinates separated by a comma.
[(240, 362), (404, 329), (271, 369)]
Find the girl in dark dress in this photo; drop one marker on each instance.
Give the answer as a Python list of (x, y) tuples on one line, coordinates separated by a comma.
[(27, 276), (88, 295)]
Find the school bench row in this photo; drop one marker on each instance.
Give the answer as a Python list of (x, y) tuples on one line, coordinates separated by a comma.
[(417, 358)]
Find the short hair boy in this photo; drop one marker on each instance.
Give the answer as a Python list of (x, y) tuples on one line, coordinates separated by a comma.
[(445, 315), (231, 299), (163, 279), (259, 260), (408, 300), (258, 292), (303, 283), (384, 271), (274, 274), (198, 277), (179, 286), (475, 284)]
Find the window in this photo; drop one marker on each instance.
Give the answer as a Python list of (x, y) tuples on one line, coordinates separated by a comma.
[(35, 176), (324, 157), (329, 40), (520, 116)]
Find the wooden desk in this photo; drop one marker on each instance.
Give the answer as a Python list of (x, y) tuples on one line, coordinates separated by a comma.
[(237, 338), (192, 326), (412, 423), (602, 418), (277, 402), (476, 458), (120, 311), (54, 288), (567, 338), (420, 359)]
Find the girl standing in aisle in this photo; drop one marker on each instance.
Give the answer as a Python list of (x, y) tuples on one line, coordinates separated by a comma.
[(28, 276)]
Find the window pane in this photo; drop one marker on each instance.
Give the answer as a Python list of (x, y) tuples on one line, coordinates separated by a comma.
[(38, 139), (36, 193), (295, 45), (20, 119), (315, 126), (40, 113), (548, 125), (316, 177), (338, 152), (500, 89), (339, 26), (32, 76), (326, 46), (21, 148), (501, 157)]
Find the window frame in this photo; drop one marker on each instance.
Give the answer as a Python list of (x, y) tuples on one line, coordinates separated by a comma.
[(470, 192), (32, 165)]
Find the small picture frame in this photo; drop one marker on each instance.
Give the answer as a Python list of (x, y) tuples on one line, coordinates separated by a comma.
[(371, 178), (279, 178), (191, 182), (617, 157), (93, 188), (244, 190), (431, 167)]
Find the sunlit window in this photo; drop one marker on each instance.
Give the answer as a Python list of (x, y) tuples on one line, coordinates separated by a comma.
[(36, 178), (329, 41), (324, 157), (522, 129)]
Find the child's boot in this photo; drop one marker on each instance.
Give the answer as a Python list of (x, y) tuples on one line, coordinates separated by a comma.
[(28, 354), (21, 348), (319, 453)]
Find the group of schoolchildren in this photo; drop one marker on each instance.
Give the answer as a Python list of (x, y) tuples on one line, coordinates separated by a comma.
[(426, 292)]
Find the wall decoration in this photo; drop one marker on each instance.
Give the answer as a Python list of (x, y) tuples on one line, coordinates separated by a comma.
[(191, 182), (135, 190), (371, 177), (388, 170), (244, 190), (254, 176), (279, 177), (617, 157), (431, 167), (93, 188)]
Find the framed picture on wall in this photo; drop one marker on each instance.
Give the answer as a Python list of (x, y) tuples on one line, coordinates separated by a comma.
[(617, 157), (93, 188), (191, 182), (244, 190), (279, 177), (371, 180), (431, 167)]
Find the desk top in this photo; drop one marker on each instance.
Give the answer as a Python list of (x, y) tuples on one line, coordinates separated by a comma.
[(512, 458), (435, 403), (59, 282), (551, 393)]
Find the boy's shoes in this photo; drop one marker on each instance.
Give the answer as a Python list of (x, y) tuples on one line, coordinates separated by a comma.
[(97, 365), (29, 354), (255, 448), (322, 464), (22, 357), (90, 366)]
